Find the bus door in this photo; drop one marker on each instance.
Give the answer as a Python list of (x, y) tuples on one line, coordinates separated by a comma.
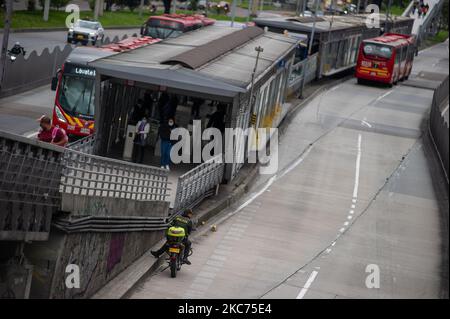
[(396, 68), (404, 51)]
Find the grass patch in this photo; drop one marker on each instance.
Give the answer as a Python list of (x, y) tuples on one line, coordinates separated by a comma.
[(245, 4), (440, 37), (395, 10), (56, 19), (29, 20)]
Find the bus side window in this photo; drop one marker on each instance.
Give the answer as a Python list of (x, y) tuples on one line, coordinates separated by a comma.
[(397, 55)]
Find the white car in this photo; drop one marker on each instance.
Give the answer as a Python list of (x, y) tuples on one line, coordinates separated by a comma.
[(86, 32)]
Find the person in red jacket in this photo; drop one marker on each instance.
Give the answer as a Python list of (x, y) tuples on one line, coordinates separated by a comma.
[(51, 134)]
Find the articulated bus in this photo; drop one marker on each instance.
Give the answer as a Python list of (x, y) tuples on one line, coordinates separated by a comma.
[(387, 58), (172, 25), (74, 82)]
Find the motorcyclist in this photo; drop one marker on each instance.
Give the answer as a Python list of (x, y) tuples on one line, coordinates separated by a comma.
[(185, 222), (17, 49)]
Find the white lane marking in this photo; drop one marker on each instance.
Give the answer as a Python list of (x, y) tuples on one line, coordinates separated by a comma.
[(349, 217), (342, 229), (354, 200), (346, 224), (358, 163), (307, 285), (255, 195), (353, 206), (297, 162), (333, 243), (352, 212), (383, 96), (334, 88), (366, 124)]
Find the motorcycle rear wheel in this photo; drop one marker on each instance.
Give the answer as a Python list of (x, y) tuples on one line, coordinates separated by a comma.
[(173, 267)]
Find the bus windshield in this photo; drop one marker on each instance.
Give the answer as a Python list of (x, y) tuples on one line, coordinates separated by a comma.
[(162, 33), (377, 50), (76, 95)]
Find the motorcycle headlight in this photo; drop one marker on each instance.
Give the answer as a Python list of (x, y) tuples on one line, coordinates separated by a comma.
[(59, 115)]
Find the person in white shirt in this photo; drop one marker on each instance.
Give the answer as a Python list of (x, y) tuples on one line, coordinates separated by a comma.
[(140, 140)]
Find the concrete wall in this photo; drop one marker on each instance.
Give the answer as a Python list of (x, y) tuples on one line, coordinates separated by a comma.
[(100, 257), (439, 125), (80, 205)]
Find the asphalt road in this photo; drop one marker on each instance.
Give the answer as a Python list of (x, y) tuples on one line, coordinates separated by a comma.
[(358, 191), (38, 41)]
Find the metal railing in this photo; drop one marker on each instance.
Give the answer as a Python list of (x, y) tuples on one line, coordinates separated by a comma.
[(90, 175), (439, 128), (84, 145), (198, 183), (30, 175)]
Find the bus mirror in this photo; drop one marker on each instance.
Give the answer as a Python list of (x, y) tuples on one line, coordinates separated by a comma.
[(54, 83)]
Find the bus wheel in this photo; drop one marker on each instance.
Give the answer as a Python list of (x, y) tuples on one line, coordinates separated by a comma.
[(360, 81)]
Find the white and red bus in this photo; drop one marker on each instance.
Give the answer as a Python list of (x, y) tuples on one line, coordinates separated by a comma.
[(74, 83), (387, 58), (172, 25)]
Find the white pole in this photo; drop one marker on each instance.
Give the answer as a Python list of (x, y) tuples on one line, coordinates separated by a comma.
[(101, 8), (174, 6), (249, 9), (141, 8), (96, 9), (46, 9), (233, 12)]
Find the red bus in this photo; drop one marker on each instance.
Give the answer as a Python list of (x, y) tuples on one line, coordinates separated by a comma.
[(387, 58), (172, 25), (74, 85), (74, 82)]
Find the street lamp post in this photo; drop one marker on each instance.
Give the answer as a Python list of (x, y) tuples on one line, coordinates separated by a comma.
[(313, 28), (388, 15), (7, 25), (258, 50)]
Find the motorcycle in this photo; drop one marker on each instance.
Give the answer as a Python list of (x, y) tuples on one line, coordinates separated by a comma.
[(14, 52), (175, 260)]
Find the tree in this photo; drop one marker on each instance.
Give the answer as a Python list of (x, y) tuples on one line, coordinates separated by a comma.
[(131, 4), (58, 4), (31, 5), (194, 5)]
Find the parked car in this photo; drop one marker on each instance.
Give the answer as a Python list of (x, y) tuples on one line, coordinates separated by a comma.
[(86, 32)]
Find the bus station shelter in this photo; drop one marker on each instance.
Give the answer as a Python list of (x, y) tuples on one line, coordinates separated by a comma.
[(214, 64)]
